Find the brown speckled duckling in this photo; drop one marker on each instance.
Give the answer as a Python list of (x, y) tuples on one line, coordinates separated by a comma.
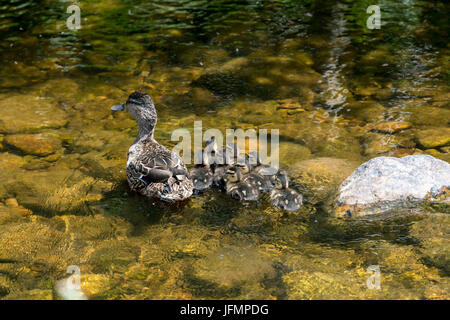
[(239, 189), (284, 197), (202, 174)]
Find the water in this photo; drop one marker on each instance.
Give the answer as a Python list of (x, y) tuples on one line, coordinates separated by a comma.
[(311, 69)]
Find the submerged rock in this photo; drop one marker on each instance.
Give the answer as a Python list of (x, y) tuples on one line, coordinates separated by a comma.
[(34, 144), (432, 138), (318, 178), (22, 113), (384, 182), (392, 126)]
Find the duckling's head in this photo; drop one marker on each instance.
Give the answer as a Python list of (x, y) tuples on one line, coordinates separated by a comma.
[(243, 165), (254, 158), (202, 180), (233, 175), (209, 154), (142, 108), (281, 180)]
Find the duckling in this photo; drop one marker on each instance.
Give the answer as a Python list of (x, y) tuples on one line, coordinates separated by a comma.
[(284, 197), (260, 168), (239, 189), (224, 160), (202, 174), (153, 170), (262, 183)]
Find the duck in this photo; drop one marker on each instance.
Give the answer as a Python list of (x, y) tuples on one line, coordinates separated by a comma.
[(239, 189), (202, 174), (284, 197), (152, 170)]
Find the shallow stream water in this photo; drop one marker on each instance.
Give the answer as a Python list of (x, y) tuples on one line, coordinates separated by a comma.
[(339, 93)]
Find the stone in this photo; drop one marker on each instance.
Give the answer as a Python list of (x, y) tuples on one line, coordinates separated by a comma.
[(428, 116), (34, 294), (367, 111), (432, 138), (388, 181), (376, 143), (34, 144), (10, 162), (96, 227), (29, 242), (432, 232), (221, 267), (25, 113), (392, 126), (291, 152), (319, 177), (95, 284)]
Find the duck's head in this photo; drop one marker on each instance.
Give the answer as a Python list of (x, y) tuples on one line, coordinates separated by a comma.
[(142, 108)]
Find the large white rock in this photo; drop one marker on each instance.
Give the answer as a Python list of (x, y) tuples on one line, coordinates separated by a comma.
[(386, 179)]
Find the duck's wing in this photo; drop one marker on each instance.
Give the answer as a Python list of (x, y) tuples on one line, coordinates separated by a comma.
[(156, 167)]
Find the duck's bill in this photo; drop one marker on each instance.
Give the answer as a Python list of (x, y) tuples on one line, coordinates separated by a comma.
[(118, 107)]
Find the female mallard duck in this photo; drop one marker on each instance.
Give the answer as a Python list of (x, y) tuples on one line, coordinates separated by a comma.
[(153, 170), (239, 189), (202, 174), (284, 197)]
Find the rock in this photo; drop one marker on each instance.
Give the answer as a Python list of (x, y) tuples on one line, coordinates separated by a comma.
[(432, 138), (367, 111), (233, 65), (221, 267), (432, 233), (319, 177), (392, 126), (261, 76), (115, 255), (34, 144), (34, 294), (291, 153), (428, 116), (23, 113), (28, 242), (376, 143), (97, 227), (95, 284), (383, 182), (10, 162)]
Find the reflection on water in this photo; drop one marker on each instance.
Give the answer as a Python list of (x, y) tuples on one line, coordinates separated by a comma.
[(339, 93)]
